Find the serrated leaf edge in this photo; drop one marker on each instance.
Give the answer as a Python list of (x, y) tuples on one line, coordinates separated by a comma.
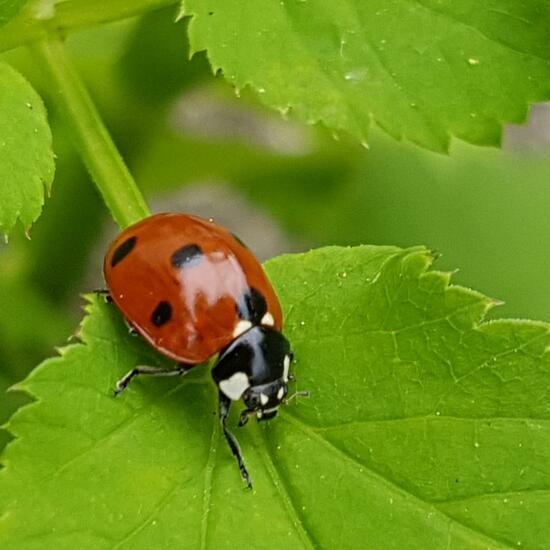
[(47, 180), (445, 138)]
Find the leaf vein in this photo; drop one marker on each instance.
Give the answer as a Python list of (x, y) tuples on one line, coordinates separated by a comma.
[(389, 483), (471, 27)]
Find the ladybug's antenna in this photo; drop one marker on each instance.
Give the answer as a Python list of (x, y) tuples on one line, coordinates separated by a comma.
[(302, 393)]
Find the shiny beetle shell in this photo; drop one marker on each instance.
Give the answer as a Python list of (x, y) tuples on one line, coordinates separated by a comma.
[(188, 286)]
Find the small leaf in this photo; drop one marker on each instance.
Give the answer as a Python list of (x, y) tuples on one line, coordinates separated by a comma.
[(426, 428), (424, 70), (9, 9), (26, 156)]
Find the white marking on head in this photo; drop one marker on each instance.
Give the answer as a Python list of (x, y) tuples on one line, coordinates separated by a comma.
[(267, 319), (280, 393), (240, 327), (263, 399), (286, 366), (235, 386)]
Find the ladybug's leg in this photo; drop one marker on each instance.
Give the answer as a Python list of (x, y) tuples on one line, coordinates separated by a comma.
[(180, 370), (105, 293), (131, 329), (243, 419), (225, 403)]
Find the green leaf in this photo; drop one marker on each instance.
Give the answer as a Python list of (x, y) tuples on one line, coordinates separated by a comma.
[(9, 9), (424, 70), (426, 428), (26, 156)]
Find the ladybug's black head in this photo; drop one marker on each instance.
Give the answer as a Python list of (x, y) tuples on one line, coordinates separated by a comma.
[(264, 399), (255, 368)]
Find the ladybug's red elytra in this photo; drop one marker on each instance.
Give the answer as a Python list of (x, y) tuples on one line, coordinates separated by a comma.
[(193, 290)]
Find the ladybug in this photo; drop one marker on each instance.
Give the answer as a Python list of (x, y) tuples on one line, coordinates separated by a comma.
[(193, 290)]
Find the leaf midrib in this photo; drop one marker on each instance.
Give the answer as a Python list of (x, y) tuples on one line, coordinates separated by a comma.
[(281, 485), (208, 477)]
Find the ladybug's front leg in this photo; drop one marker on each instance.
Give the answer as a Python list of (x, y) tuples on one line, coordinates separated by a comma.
[(105, 293), (180, 370), (225, 403)]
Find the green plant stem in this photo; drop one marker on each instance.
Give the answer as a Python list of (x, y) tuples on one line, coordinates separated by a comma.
[(92, 139), (29, 26)]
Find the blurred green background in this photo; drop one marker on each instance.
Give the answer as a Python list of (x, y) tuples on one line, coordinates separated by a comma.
[(193, 145)]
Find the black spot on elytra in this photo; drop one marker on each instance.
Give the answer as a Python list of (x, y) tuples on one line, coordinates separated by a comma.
[(251, 306), (187, 256), (238, 240), (162, 314), (122, 250)]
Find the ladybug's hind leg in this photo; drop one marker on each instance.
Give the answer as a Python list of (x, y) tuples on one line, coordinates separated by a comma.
[(225, 403), (181, 370)]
